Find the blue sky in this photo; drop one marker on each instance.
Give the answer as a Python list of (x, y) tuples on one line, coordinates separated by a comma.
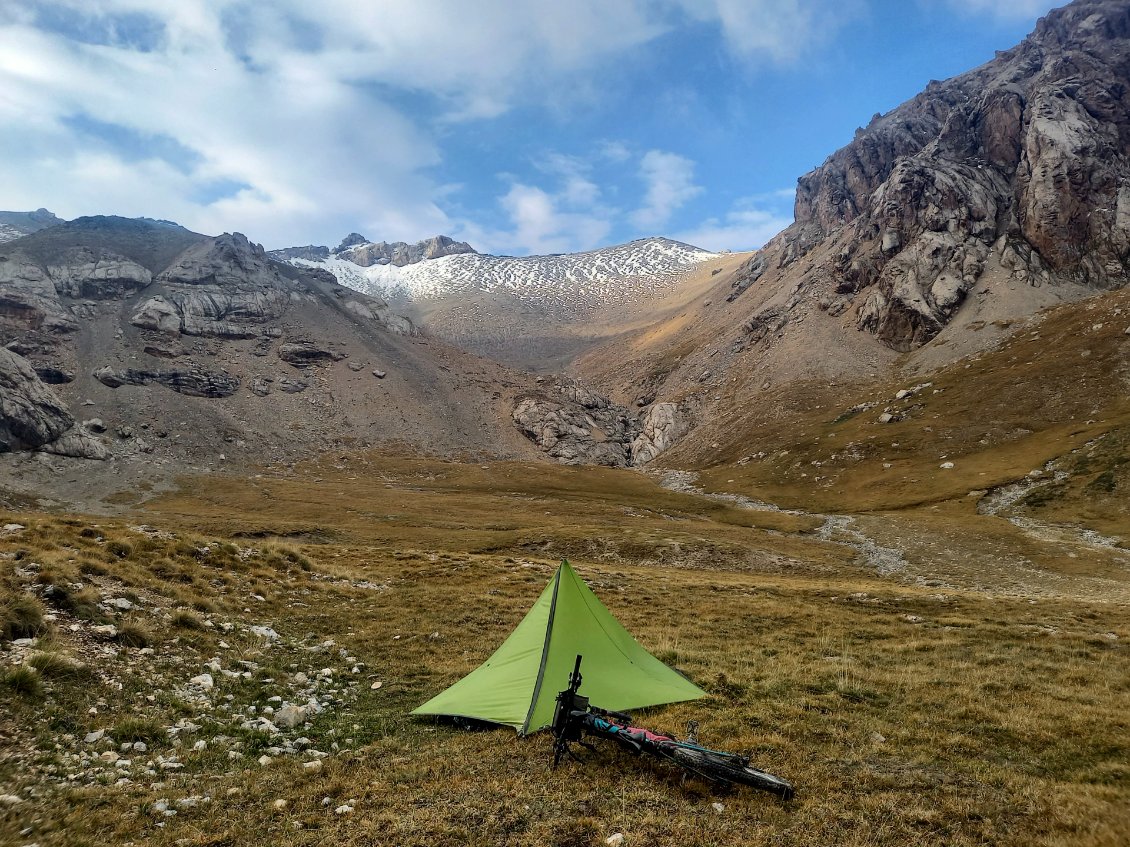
[(523, 126)]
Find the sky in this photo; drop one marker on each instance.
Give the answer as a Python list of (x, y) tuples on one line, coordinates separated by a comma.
[(521, 126)]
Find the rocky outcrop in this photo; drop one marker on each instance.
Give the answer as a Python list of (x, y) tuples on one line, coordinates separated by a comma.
[(359, 250), (97, 274), (194, 382), (303, 354), (663, 425), (29, 301), (575, 425), (399, 253), (1024, 161), (77, 444), (30, 413), (224, 287)]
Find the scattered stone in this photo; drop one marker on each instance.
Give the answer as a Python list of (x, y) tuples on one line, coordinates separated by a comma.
[(94, 737), (886, 417), (946, 466), (10, 800), (379, 374), (876, 738), (265, 760), (264, 632), (120, 603), (615, 839), (290, 717), (344, 809), (279, 805), (376, 685), (312, 767), (718, 808), (355, 366), (204, 681)]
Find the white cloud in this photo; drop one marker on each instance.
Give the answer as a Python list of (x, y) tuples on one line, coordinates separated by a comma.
[(747, 226), (777, 30), (1001, 9), (542, 226), (295, 122), (670, 183)]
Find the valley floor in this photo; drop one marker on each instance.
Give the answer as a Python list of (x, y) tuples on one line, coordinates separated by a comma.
[(923, 676)]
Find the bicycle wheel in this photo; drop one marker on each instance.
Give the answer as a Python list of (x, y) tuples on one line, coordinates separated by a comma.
[(726, 767)]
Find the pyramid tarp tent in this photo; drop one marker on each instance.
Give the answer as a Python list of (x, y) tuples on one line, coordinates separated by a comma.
[(518, 685)]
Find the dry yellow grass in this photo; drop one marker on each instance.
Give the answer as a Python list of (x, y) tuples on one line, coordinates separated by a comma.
[(904, 713)]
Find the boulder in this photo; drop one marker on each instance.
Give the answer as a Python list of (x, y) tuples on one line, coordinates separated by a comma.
[(303, 354), (195, 382), (663, 425), (577, 426), (290, 717), (78, 445), (31, 415)]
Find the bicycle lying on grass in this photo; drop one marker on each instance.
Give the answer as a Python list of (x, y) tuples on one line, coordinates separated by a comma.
[(574, 718)]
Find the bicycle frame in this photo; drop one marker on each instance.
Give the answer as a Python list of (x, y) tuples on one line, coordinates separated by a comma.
[(574, 717)]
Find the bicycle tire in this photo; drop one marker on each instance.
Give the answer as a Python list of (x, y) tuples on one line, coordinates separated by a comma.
[(725, 767)]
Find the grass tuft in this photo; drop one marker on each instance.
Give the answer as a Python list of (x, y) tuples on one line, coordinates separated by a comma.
[(22, 617), (139, 729), (133, 634), (57, 665), (25, 681), (184, 619)]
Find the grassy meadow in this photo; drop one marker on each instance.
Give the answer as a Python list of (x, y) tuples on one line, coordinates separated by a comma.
[(917, 707)]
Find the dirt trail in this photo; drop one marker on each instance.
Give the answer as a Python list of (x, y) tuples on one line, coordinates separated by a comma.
[(1006, 556)]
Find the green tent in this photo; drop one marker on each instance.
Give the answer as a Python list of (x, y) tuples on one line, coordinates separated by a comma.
[(518, 685)]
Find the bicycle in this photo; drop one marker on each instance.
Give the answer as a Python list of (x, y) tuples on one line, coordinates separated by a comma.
[(574, 718)]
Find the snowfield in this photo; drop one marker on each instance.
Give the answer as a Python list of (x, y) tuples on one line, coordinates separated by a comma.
[(647, 267)]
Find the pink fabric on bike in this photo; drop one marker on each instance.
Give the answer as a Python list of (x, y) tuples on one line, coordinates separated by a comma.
[(640, 734)]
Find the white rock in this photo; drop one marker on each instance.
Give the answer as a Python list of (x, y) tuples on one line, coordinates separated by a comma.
[(12, 799), (13, 527), (279, 805), (312, 767), (94, 737), (376, 685), (615, 839), (718, 807), (946, 466), (200, 745), (265, 760), (264, 632), (203, 682), (121, 603), (290, 717), (344, 809)]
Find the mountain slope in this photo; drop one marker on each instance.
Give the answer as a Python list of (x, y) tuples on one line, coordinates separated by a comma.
[(535, 311), (932, 236), (15, 225), (183, 350)]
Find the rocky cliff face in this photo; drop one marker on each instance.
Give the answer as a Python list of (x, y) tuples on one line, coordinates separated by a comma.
[(1022, 163), (193, 349), (357, 249)]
